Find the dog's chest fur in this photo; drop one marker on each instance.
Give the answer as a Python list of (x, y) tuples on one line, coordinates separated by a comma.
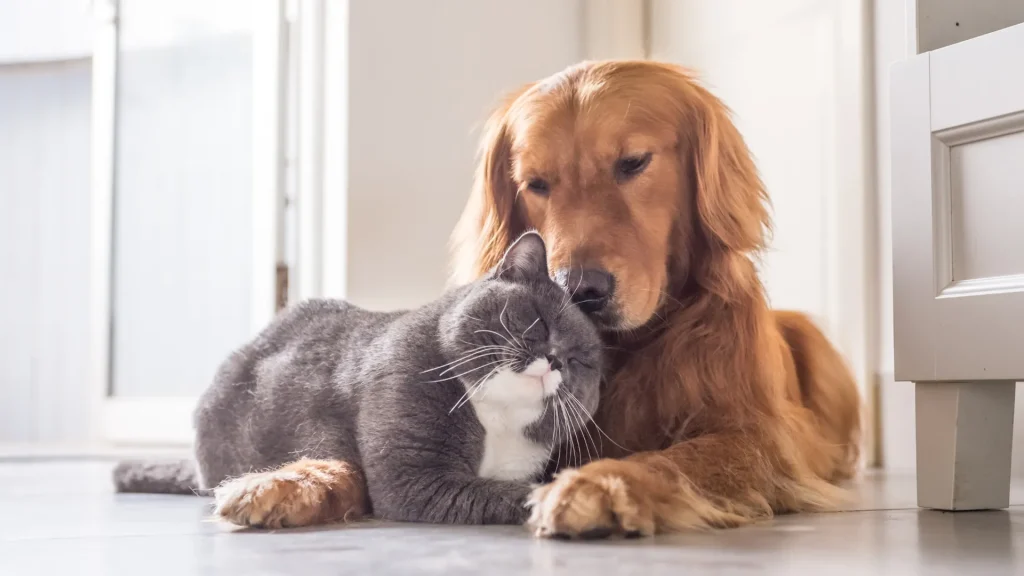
[(506, 405)]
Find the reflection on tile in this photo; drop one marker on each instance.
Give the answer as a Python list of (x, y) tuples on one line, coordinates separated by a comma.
[(879, 490)]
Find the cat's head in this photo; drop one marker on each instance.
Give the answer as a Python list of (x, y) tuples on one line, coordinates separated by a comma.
[(515, 337)]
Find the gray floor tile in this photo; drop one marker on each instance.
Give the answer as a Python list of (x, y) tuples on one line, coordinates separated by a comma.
[(63, 519)]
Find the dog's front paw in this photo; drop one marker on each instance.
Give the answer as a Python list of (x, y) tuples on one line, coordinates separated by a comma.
[(595, 501)]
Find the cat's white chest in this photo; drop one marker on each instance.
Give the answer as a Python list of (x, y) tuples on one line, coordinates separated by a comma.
[(505, 406)]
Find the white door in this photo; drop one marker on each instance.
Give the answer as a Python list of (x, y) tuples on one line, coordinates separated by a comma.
[(958, 260), (188, 182)]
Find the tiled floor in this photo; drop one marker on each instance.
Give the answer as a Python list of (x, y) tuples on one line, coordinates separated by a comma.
[(60, 517)]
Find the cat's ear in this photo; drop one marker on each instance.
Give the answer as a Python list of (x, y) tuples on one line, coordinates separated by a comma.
[(526, 259)]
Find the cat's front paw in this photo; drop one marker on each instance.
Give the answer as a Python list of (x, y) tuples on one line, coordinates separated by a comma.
[(304, 493)]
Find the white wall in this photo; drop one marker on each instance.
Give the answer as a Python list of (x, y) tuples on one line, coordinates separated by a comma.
[(896, 398), (422, 78), (890, 46)]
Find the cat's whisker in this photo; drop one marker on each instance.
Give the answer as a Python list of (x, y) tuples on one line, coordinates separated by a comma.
[(567, 432), (569, 301), (555, 439), (500, 335), (561, 441), (501, 346), (501, 318), (577, 406), (554, 429), (576, 435), (543, 412), (472, 352), (528, 328), (500, 355), (468, 393), (460, 375), (598, 428), (570, 435), (472, 390), (567, 298), (588, 439), (505, 344), (462, 360)]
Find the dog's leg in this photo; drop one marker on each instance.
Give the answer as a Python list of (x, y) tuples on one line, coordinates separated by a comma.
[(717, 480)]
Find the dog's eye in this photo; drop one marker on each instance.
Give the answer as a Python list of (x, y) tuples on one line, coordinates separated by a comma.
[(539, 187), (632, 165)]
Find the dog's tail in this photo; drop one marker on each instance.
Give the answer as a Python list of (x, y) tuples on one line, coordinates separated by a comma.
[(157, 477)]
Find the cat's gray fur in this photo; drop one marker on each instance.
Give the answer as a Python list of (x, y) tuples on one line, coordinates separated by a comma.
[(329, 380)]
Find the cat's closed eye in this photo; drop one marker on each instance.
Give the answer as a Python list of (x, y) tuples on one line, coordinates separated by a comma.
[(577, 363)]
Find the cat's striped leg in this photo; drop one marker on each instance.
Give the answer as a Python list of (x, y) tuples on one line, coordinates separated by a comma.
[(303, 493)]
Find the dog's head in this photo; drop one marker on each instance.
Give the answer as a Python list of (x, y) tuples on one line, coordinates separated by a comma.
[(634, 175)]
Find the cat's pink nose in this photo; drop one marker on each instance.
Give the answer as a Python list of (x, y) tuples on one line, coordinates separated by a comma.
[(553, 362)]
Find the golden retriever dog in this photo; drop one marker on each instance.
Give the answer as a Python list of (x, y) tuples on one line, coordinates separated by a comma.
[(717, 410)]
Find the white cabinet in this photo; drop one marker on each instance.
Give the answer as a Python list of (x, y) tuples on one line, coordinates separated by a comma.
[(958, 260)]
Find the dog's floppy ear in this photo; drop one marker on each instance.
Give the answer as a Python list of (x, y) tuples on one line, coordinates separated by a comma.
[(731, 201), (490, 221)]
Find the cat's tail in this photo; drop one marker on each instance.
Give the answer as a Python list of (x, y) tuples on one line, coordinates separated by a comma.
[(157, 477)]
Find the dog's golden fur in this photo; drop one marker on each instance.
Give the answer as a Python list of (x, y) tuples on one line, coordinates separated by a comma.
[(727, 411)]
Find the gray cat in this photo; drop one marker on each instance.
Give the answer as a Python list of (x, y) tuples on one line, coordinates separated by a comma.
[(450, 410)]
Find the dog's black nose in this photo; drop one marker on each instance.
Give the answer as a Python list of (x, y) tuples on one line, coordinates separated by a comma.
[(591, 289)]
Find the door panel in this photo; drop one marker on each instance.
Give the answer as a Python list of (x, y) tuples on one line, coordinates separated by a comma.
[(958, 196), (985, 180)]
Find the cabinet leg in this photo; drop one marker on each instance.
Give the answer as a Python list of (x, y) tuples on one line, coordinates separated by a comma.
[(964, 437)]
